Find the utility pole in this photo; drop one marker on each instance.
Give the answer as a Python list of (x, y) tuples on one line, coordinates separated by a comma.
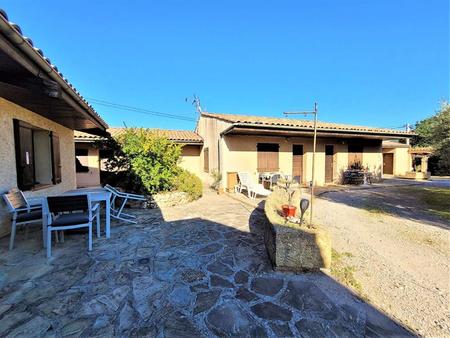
[(312, 183)]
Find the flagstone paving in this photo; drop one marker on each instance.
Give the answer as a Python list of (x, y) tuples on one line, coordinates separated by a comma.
[(190, 271)]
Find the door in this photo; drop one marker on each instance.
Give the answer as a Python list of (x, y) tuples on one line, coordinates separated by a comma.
[(297, 163), (388, 164), (329, 152)]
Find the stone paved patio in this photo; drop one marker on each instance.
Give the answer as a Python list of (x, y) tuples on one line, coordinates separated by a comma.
[(194, 270)]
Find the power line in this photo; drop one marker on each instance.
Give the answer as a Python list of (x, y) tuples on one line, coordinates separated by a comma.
[(139, 110)]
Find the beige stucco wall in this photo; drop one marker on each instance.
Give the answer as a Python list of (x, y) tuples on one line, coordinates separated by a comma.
[(8, 176), (91, 178), (402, 160), (373, 159), (209, 129), (190, 159), (239, 153)]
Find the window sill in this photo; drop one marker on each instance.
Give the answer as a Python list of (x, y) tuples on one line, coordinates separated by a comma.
[(38, 187)]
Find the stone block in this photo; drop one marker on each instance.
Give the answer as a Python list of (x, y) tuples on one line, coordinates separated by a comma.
[(292, 247)]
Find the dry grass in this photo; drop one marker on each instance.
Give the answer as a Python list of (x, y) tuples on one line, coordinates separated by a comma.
[(375, 209), (436, 200), (344, 272)]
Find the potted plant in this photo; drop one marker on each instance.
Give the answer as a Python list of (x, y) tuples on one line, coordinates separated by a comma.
[(288, 209)]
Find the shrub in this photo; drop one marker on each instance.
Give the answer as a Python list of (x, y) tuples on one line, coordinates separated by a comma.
[(217, 178), (189, 183), (146, 158)]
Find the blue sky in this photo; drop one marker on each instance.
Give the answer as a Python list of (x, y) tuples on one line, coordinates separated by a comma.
[(378, 63)]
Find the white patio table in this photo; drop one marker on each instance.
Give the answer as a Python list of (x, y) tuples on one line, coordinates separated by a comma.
[(96, 194)]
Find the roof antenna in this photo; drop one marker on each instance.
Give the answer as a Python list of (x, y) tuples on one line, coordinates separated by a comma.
[(195, 102)]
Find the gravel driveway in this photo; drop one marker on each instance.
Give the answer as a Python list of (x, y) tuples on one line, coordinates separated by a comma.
[(400, 254)]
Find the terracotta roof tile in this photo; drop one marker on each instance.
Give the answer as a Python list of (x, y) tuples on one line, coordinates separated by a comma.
[(301, 124), (180, 136)]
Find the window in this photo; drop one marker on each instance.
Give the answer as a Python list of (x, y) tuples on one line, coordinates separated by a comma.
[(81, 160), (38, 160), (206, 160), (267, 157)]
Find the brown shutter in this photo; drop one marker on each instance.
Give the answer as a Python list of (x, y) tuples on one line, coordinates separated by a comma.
[(267, 157), (23, 140), (262, 161), (56, 159), (272, 161), (206, 160)]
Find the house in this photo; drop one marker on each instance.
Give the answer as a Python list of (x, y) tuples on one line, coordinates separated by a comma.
[(232, 143), (257, 144), (39, 111), (89, 158)]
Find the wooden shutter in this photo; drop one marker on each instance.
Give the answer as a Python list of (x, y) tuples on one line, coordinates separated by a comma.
[(206, 160), (23, 140), (267, 157), (56, 159)]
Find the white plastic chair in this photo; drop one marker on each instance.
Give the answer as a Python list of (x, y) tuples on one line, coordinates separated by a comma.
[(22, 212), (253, 189), (118, 213)]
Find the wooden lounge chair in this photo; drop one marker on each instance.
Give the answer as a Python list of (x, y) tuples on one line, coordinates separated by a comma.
[(22, 212), (253, 189), (117, 195)]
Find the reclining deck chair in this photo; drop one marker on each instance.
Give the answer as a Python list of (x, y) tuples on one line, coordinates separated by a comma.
[(115, 196), (253, 189)]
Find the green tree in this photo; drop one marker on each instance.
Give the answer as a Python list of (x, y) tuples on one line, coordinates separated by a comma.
[(435, 132)]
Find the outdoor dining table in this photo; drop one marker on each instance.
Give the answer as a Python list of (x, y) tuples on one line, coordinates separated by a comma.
[(96, 194)]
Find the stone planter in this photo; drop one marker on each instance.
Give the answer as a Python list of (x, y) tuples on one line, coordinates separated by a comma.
[(292, 247)]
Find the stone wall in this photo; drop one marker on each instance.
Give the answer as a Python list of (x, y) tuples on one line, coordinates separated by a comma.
[(170, 199), (292, 247)]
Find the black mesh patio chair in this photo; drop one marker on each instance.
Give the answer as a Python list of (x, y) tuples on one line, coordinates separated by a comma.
[(71, 212)]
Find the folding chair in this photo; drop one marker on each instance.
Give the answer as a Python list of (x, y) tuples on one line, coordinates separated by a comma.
[(117, 195)]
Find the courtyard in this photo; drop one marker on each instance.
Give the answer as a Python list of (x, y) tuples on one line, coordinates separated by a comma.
[(194, 270)]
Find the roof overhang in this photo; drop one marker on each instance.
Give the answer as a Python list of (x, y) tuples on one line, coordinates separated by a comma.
[(28, 79), (286, 131)]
